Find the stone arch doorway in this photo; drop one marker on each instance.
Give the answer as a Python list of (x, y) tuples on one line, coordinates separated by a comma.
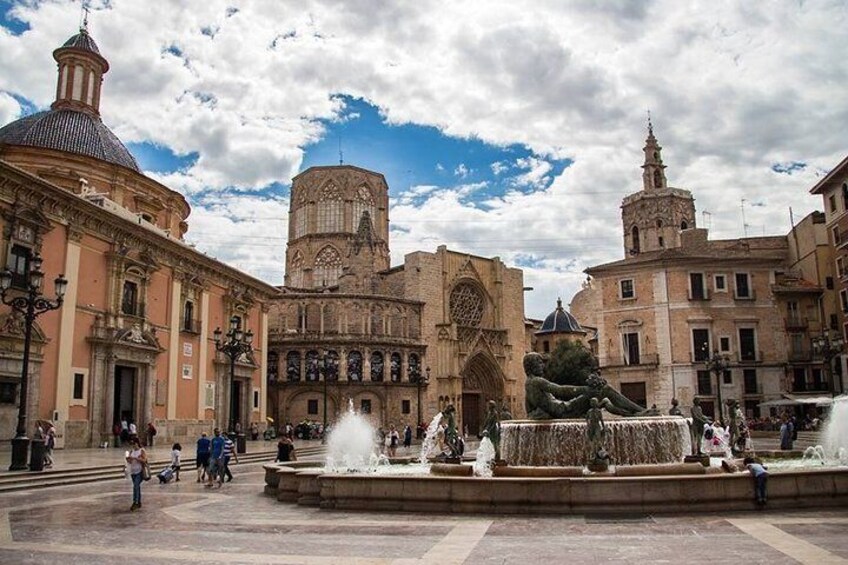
[(482, 381)]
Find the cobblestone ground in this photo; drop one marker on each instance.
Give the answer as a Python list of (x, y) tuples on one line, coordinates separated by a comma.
[(185, 522)]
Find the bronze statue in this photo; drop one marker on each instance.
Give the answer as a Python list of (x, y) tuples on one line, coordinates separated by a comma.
[(453, 441), (675, 408), (495, 413), (696, 427), (545, 400)]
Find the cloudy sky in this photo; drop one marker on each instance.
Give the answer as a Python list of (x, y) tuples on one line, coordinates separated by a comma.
[(507, 128)]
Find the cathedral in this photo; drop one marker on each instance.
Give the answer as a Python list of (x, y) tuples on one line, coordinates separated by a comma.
[(398, 343)]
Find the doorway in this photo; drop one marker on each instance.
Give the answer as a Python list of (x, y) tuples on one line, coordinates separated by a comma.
[(471, 412), (124, 401), (235, 404)]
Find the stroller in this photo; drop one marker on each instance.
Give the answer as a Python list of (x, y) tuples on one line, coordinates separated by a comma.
[(166, 475)]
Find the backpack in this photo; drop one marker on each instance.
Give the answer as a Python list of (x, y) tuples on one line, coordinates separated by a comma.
[(708, 433)]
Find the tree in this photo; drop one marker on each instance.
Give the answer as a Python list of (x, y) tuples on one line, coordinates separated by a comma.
[(570, 363)]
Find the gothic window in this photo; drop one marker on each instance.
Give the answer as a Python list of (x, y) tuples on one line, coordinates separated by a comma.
[(363, 202), (414, 368), (293, 366), (395, 368), (330, 210), (296, 275), (377, 321), (273, 366), (634, 236), (354, 366), (312, 373), (396, 323), (331, 366), (659, 224), (466, 305), (657, 179), (330, 316), (328, 267), (684, 225), (376, 366), (300, 217)]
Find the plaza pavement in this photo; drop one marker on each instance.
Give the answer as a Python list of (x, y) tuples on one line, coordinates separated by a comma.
[(187, 523)]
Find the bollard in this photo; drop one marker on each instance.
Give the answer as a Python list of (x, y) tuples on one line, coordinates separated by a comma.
[(36, 460), (241, 443)]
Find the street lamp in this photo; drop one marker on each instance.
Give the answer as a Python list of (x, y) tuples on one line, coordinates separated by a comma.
[(420, 380), (718, 364), (237, 343), (829, 348), (30, 304)]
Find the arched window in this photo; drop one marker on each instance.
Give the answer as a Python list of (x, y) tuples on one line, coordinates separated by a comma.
[(331, 366), (659, 224), (395, 369), (293, 366), (273, 366), (296, 266), (330, 210), (328, 267), (376, 366), (657, 179), (312, 373), (413, 371), (684, 225), (363, 202), (354, 366), (634, 240), (377, 321)]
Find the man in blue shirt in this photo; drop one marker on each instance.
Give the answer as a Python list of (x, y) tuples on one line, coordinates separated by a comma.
[(216, 459), (204, 446), (758, 471)]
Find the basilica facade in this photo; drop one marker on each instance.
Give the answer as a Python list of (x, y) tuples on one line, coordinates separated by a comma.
[(397, 343)]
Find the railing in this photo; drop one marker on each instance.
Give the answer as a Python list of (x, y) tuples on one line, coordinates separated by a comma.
[(136, 309), (750, 296), (190, 326), (699, 295), (795, 323), (752, 389), (698, 356), (806, 386), (617, 361), (749, 356), (799, 356)]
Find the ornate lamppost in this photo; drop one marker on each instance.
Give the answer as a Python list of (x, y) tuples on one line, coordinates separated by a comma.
[(322, 371), (718, 364), (420, 380), (829, 348), (238, 343), (30, 304)]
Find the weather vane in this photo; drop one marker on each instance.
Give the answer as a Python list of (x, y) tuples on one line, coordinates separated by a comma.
[(84, 16)]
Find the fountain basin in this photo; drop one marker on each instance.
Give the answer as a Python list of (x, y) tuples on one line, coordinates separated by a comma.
[(562, 443)]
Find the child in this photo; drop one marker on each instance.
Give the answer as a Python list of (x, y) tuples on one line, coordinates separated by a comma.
[(758, 471), (175, 460)]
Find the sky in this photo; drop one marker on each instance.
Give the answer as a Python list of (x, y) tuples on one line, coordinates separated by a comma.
[(504, 128)]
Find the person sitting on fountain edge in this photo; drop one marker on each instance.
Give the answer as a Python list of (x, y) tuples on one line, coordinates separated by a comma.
[(545, 400)]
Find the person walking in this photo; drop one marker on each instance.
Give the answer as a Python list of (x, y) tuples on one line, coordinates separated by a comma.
[(285, 450), (229, 453), (49, 445), (407, 436), (786, 433), (758, 471), (204, 448), (176, 454), (216, 460), (137, 458)]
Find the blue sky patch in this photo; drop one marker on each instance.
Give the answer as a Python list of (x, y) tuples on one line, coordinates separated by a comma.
[(788, 167), (160, 159), (15, 26), (422, 156)]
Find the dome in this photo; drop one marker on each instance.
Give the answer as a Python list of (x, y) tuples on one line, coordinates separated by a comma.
[(560, 321), (82, 41), (71, 131)]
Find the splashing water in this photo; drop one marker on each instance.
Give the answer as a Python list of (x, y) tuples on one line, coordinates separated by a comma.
[(836, 429), (485, 456), (429, 447), (351, 445), (814, 455)]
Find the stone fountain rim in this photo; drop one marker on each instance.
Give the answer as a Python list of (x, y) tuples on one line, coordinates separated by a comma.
[(608, 419)]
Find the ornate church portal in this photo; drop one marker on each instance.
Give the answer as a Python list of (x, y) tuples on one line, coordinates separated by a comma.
[(482, 381)]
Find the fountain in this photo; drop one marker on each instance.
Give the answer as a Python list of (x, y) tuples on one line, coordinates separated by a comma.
[(351, 446), (836, 429)]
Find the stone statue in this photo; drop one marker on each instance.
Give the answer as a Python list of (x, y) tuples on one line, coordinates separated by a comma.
[(545, 400), (675, 408), (495, 412), (596, 433), (696, 426)]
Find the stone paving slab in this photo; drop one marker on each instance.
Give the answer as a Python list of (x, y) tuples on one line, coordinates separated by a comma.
[(187, 523)]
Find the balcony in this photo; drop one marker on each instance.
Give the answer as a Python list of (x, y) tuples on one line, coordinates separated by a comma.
[(702, 294), (752, 389), (809, 386), (136, 309), (795, 323), (645, 359), (800, 356), (750, 296), (749, 356), (190, 326)]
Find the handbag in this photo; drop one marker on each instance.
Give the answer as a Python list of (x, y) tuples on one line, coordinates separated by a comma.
[(145, 472)]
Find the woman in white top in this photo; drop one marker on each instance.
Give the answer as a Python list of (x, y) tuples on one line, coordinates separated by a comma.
[(176, 452), (137, 458)]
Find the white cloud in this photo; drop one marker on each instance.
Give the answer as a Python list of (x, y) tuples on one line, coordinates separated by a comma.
[(732, 91), (9, 108), (461, 171), (499, 167)]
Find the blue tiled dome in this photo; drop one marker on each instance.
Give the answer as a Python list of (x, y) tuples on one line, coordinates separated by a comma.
[(560, 321), (82, 41), (71, 131)]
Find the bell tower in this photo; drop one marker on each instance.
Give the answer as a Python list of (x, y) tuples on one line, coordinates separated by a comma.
[(81, 70), (654, 217)]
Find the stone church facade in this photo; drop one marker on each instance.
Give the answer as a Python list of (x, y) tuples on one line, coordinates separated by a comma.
[(443, 327)]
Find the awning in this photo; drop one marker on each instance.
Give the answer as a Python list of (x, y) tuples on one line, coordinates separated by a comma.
[(797, 400)]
